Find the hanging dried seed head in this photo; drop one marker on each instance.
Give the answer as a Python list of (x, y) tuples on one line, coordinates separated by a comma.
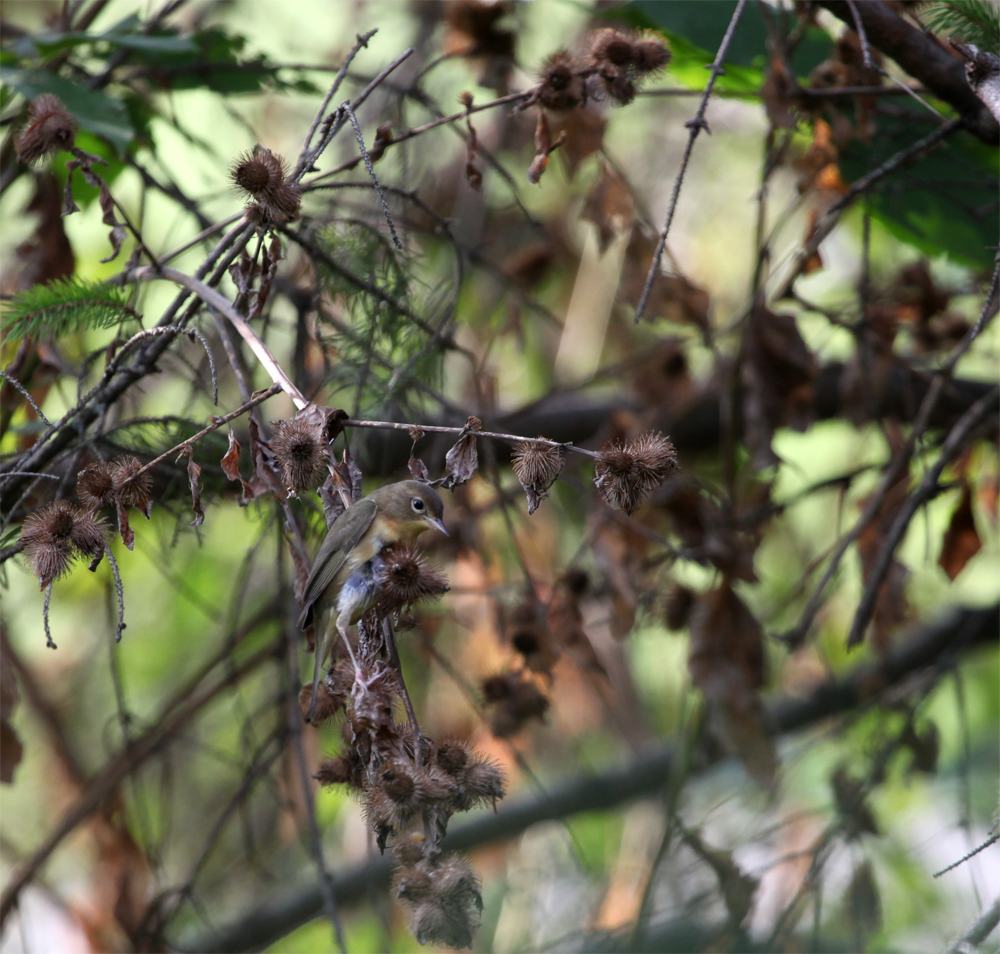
[(89, 533), (45, 535), (536, 466), (623, 59), (398, 792), (628, 470), (406, 577), (132, 491), (559, 85), (327, 704), (50, 128), (475, 779), (300, 451), (678, 606), (95, 486), (346, 770), (511, 700), (444, 900), (284, 205)]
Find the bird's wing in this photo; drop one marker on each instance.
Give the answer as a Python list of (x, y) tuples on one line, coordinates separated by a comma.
[(341, 538)]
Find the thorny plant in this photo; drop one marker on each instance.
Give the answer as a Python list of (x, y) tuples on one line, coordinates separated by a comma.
[(376, 338)]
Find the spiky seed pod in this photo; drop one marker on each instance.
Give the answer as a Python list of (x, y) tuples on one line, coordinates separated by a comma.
[(256, 215), (456, 885), (284, 205), (445, 913), (346, 770), (536, 466), (611, 47), (95, 486), (476, 779), (327, 705), (50, 128), (299, 448), (47, 538), (371, 709), (628, 470), (406, 577), (259, 173), (132, 491), (511, 700), (560, 86), (412, 885), (651, 54), (655, 457), (89, 534), (398, 791)]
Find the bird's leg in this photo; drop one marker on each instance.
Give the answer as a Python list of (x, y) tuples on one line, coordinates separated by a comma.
[(393, 654)]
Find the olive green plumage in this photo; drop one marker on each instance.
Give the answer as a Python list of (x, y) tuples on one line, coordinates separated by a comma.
[(342, 584)]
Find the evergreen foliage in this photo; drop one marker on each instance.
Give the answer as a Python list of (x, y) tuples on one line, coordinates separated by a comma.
[(64, 306), (970, 21)]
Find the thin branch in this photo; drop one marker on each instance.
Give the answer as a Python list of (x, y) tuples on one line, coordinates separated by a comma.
[(120, 590), (695, 126), (832, 215), (13, 382), (441, 429), (927, 489), (305, 159), (217, 422), (371, 172)]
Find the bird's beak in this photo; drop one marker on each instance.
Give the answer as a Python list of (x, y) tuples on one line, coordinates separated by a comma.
[(437, 524)]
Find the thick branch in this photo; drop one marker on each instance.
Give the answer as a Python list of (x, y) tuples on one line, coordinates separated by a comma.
[(923, 59), (936, 644)]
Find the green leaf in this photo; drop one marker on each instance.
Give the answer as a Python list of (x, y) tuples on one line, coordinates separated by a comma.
[(64, 306), (100, 114), (943, 204)]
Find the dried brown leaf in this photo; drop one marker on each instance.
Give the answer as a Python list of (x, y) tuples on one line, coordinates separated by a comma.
[(961, 539), (462, 460), (194, 482)]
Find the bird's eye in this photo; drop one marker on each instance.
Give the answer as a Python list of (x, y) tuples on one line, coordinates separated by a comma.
[(418, 504)]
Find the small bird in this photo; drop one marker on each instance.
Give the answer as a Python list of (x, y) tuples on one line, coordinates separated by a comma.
[(343, 583)]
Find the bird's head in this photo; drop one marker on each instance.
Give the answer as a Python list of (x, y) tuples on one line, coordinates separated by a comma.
[(412, 507)]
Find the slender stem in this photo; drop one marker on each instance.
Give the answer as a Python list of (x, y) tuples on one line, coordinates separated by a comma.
[(217, 422), (695, 126), (441, 429)]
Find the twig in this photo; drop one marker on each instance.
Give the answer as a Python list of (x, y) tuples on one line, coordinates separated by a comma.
[(832, 215), (217, 422), (992, 840), (305, 160), (418, 130), (695, 126), (120, 590), (49, 644), (24, 391), (441, 429), (978, 931), (371, 172), (928, 487)]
